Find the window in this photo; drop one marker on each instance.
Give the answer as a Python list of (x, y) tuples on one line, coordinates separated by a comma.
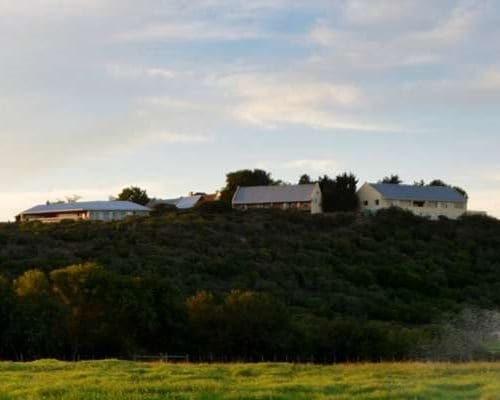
[(444, 205), (432, 204), (459, 205), (365, 203), (377, 202), (418, 203)]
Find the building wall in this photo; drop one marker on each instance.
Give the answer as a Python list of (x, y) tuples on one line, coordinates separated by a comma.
[(299, 206), (114, 215), (372, 201), (55, 217), (317, 201), (87, 215)]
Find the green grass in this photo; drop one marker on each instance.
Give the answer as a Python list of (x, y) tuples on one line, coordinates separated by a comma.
[(120, 380)]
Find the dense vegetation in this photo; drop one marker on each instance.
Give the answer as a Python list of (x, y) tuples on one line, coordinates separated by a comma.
[(119, 380), (218, 284)]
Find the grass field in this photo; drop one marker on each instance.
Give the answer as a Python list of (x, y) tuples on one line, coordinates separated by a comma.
[(122, 380)]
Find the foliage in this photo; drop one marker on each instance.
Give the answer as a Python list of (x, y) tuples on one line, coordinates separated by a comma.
[(304, 179), (339, 194), (214, 207), (393, 179), (265, 284), (244, 177), (162, 209), (135, 195)]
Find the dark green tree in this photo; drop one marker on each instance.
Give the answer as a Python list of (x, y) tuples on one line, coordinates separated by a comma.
[(7, 312), (135, 195), (393, 179), (437, 182), (245, 177), (339, 194), (304, 179)]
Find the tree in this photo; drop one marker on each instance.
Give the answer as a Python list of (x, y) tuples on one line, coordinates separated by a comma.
[(7, 314), (38, 318), (135, 195), (245, 177), (437, 182), (255, 324), (339, 194), (304, 179), (31, 283), (461, 191), (393, 179), (162, 209), (204, 322)]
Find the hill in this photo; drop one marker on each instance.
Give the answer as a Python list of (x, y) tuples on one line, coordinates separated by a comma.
[(246, 285)]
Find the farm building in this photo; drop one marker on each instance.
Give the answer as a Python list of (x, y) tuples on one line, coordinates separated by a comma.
[(93, 210), (426, 201), (190, 201), (287, 197)]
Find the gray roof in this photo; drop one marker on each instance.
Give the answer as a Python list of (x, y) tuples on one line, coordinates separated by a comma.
[(418, 193), (86, 206), (273, 194), (180, 202), (188, 202)]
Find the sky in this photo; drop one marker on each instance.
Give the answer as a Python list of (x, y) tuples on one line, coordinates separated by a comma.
[(96, 95)]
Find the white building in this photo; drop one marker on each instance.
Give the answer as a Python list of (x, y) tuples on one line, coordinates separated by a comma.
[(425, 201), (190, 201), (91, 210), (286, 197)]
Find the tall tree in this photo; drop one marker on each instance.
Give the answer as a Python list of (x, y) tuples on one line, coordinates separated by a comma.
[(393, 179), (339, 194), (135, 195), (32, 282), (437, 182), (245, 177), (304, 179)]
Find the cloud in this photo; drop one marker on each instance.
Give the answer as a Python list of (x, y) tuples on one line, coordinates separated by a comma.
[(150, 138), (189, 31), (269, 100), (407, 44), (137, 72), (315, 165), (368, 12)]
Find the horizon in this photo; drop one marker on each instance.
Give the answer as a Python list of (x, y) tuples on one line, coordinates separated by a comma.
[(98, 95)]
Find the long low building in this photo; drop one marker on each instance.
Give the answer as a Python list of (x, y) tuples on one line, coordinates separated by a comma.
[(91, 210), (305, 197), (425, 201)]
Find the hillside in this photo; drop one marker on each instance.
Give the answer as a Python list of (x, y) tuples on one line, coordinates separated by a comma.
[(394, 274)]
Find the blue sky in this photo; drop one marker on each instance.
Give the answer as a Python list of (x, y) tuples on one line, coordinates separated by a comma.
[(100, 94)]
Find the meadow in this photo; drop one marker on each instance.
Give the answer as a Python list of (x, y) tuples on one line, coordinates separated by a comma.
[(123, 380)]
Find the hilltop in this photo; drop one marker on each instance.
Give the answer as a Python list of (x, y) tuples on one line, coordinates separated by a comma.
[(394, 271)]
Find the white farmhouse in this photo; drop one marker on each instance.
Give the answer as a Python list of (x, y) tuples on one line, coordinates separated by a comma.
[(425, 201), (90, 210), (305, 197)]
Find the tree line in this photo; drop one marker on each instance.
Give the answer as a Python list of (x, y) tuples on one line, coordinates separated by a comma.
[(84, 311)]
